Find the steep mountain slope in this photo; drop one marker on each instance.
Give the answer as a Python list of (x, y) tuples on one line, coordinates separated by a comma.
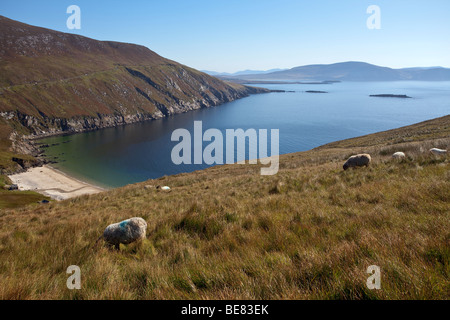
[(353, 71), (52, 81)]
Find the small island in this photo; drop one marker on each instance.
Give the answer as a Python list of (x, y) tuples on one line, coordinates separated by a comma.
[(403, 96), (315, 91)]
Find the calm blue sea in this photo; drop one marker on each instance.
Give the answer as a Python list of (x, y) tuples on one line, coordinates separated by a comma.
[(117, 156)]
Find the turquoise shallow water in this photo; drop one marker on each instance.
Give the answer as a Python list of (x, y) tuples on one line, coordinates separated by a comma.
[(117, 156)]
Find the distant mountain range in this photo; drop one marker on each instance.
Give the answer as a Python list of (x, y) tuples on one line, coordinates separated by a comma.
[(244, 72), (348, 71)]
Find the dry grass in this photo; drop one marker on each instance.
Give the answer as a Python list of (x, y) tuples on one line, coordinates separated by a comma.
[(226, 232)]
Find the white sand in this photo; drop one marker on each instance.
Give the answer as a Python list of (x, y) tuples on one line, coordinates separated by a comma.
[(52, 183)]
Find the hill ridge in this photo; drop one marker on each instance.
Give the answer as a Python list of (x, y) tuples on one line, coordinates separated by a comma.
[(350, 71), (55, 82)]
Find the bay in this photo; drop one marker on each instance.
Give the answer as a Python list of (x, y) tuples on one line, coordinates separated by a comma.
[(118, 156)]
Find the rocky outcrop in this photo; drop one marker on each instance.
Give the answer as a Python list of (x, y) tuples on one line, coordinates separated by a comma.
[(389, 95), (39, 127)]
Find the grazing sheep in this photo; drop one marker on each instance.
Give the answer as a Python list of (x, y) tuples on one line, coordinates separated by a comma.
[(437, 151), (399, 155), (164, 188), (358, 160), (125, 232)]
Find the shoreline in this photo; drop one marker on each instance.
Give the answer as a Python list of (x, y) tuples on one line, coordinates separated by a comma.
[(53, 183), (33, 138), (59, 185)]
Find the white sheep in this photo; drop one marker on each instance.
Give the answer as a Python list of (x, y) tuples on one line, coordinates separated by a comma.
[(125, 232), (437, 151), (398, 155), (358, 160)]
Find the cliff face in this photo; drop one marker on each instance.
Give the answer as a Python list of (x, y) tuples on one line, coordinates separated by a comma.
[(52, 82)]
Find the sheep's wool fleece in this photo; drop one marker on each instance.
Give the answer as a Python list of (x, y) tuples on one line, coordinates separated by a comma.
[(126, 231), (398, 154), (438, 151), (358, 160)]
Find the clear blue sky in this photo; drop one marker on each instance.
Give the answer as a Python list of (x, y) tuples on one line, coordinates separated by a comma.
[(232, 35)]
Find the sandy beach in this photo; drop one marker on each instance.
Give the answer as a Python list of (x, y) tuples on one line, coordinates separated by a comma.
[(52, 183)]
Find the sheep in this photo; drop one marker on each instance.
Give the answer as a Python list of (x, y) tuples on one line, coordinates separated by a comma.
[(358, 160), (398, 155), (125, 232), (164, 188), (437, 151)]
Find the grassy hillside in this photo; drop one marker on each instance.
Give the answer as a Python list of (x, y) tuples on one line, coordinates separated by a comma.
[(227, 232), (54, 81)]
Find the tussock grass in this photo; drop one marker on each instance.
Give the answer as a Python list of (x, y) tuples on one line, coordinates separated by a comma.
[(309, 232)]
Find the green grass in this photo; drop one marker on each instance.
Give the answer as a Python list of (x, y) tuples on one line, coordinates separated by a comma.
[(15, 199), (309, 232)]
